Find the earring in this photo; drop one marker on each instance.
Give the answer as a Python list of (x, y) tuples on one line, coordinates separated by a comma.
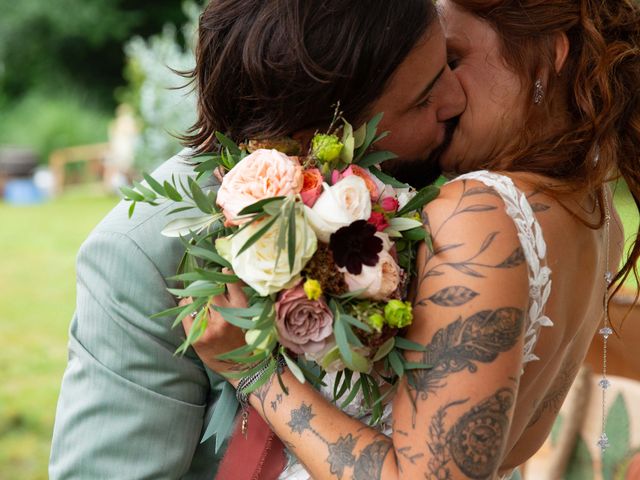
[(538, 92)]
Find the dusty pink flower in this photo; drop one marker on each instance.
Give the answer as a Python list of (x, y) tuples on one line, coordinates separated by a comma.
[(304, 326), (389, 204), (262, 174), (378, 220), (311, 187)]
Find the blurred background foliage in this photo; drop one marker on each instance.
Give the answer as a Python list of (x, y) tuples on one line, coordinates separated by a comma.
[(66, 64)]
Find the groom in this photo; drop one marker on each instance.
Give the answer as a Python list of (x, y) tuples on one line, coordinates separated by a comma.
[(128, 407)]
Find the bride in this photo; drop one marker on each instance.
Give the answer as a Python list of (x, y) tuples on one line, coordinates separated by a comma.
[(526, 247)]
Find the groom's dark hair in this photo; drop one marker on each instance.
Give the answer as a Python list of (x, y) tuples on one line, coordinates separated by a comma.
[(271, 67)]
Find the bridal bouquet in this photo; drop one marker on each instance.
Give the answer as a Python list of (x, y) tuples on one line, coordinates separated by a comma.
[(325, 243)]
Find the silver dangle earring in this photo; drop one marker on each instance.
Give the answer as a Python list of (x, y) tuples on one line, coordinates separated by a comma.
[(606, 331), (538, 92)]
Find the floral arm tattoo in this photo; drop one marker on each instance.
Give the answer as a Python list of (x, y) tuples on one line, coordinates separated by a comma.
[(451, 421)]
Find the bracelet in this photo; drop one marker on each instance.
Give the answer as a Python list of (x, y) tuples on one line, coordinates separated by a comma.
[(244, 383)]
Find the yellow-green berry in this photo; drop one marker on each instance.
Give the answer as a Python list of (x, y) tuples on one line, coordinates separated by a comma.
[(312, 289), (326, 148), (376, 321), (398, 314)]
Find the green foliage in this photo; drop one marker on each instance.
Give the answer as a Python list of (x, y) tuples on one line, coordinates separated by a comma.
[(617, 431), (580, 466), (45, 122), (164, 107), (74, 43)]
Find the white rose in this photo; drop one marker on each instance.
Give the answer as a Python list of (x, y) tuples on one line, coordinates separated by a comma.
[(257, 267), (377, 282), (339, 205)]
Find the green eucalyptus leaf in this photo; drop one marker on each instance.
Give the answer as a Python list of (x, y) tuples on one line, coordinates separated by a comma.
[(180, 209), (348, 142), (257, 235), (402, 224), (258, 206), (396, 362), (228, 143), (149, 195), (291, 238), (376, 158), (356, 323), (171, 192), (130, 194), (196, 306), (210, 255), (384, 349), (132, 208), (154, 184), (295, 369), (353, 391), (199, 197), (200, 288), (208, 165), (222, 421), (340, 333), (387, 179), (181, 227), (359, 135), (415, 234), (405, 344)]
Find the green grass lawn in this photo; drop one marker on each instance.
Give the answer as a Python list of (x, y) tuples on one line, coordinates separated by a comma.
[(38, 246)]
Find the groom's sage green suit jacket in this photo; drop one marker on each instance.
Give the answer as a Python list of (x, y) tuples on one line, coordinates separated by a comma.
[(129, 408)]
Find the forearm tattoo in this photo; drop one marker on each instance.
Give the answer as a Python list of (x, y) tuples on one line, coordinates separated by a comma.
[(366, 465)]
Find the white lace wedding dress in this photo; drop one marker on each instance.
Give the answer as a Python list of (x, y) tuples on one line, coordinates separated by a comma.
[(535, 250)]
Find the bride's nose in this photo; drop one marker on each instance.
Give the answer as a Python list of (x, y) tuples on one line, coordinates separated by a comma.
[(451, 98)]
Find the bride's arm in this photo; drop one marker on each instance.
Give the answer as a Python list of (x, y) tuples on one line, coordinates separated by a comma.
[(453, 421)]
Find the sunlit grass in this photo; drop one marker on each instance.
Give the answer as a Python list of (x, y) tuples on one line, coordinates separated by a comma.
[(38, 245)]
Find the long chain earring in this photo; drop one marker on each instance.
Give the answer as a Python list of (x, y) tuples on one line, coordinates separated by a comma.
[(538, 92), (605, 331)]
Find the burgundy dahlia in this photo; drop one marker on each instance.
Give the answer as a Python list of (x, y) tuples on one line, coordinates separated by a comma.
[(355, 245)]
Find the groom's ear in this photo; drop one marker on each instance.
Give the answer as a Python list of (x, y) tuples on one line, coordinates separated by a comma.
[(562, 51)]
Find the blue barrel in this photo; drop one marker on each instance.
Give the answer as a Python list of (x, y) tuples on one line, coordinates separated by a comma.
[(22, 191)]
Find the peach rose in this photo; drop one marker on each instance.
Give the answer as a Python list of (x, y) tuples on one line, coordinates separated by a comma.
[(373, 184), (262, 174), (311, 187), (377, 282)]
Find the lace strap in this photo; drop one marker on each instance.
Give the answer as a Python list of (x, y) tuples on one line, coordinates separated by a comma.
[(534, 247)]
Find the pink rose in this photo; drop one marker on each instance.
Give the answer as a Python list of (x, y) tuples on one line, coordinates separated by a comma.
[(378, 220), (371, 182), (262, 174), (304, 326), (311, 186), (389, 204), (378, 282)]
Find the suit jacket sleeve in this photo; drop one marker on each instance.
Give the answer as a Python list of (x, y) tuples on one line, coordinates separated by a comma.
[(128, 408)]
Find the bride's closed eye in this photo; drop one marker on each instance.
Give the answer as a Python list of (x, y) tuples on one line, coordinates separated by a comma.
[(453, 62)]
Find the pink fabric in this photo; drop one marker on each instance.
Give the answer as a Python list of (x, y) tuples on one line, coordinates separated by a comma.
[(259, 456)]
